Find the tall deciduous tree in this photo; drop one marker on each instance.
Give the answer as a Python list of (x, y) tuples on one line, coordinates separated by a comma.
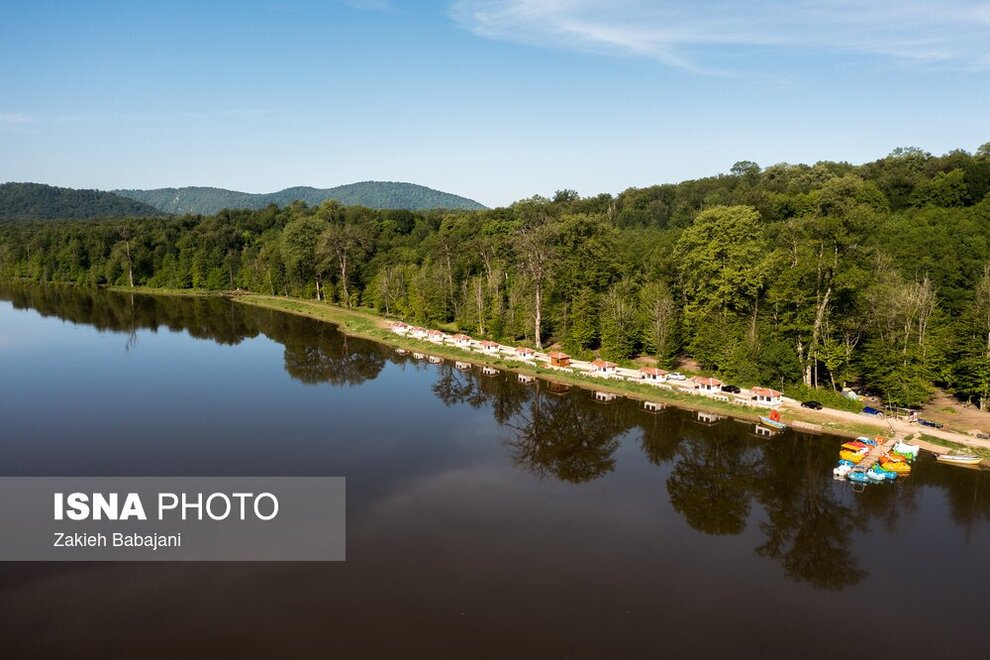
[(659, 319)]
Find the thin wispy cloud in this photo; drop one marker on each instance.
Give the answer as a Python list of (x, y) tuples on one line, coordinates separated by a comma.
[(15, 121), (709, 36), (373, 5)]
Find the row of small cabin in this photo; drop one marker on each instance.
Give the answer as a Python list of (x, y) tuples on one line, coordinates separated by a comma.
[(602, 368)]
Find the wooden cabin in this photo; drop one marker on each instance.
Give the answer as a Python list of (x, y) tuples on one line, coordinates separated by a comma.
[(435, 336), (601, 367), (490, 346), (706, 385), (462, 341), (764, 396), (398, 327), (558, 359), (652, 375), (417, 332)]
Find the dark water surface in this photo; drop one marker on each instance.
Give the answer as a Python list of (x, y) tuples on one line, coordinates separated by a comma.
[(486, 518)]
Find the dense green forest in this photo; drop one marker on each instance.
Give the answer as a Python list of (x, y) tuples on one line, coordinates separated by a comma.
[(371, 194), (875, 276), (37, 201)]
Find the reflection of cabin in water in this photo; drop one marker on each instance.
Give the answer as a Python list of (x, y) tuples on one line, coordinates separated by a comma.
[(400, 351), (557, 388), (463, 366), (489, 371), (604, 397), (435, 359), (651, 406), (418, 356), (526, 378), (763, 431), (708, 418), (602, 367), (558, 359)]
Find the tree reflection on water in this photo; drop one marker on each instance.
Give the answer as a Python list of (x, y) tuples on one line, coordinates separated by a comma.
[(718, 478), (560, 436)]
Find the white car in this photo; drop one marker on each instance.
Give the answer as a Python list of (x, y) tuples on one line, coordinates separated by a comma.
[(676, 376)]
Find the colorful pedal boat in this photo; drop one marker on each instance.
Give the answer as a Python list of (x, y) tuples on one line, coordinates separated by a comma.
[(900, 467), (883, 473), (852, 456), (906, 449), (858, 476)]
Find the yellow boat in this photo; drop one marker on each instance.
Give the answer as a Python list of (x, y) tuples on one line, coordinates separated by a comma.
[(852, 456), (900, 467)]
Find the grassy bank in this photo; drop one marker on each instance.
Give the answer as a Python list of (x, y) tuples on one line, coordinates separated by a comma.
[(366, 324), (948, 444)]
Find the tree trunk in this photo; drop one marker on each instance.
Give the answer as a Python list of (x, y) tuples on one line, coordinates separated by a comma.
[(539, 316), (807, 365), (343, 280), (816, 334), (480, 300), (130, 269)]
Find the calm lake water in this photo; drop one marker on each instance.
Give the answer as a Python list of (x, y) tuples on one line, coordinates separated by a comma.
[(486, 518)]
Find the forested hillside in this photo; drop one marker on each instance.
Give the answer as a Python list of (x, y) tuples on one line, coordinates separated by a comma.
[(36, 201), (371, 194), (875, 275)]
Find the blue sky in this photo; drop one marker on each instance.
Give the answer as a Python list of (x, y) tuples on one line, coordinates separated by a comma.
[(494, 100)]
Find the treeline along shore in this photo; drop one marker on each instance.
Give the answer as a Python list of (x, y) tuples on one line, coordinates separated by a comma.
[(804, 278)]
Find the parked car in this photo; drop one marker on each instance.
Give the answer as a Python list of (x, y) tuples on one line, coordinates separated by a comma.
[(732, 389), (814, 405), (930, 423), (868, 410), (676, 376)]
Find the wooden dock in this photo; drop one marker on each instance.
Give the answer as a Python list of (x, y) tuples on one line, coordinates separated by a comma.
[(876, 452)]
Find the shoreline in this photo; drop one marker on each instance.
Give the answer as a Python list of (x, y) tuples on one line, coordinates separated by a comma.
[(368, 325)]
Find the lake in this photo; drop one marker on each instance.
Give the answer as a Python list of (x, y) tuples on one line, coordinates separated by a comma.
[(486, 517)]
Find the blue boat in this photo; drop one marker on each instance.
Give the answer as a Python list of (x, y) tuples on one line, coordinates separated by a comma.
[(889, 475), (859, 476), (772, 423)]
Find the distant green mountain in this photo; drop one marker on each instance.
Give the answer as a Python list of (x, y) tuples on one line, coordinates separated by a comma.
[(37, 201), (372, 194)]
